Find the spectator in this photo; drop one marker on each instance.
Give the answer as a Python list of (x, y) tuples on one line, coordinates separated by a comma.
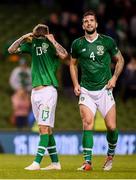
[(55, 26), (21, 106), (21, 77), (133, 30), (122, 29), (129, 80), (110, 29)]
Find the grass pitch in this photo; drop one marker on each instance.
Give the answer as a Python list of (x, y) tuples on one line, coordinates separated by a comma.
[(12, 167)]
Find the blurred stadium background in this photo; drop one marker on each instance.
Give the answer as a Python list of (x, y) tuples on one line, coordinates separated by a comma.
[(116, 18)]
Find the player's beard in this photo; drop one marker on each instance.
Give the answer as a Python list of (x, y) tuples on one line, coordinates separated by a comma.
[(90, 32)]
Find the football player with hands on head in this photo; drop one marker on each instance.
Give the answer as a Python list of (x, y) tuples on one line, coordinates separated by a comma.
[(46, 53), (94, 52)]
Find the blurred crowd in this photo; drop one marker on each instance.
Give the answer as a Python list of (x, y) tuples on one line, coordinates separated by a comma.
[(116, 18), (20, 83)]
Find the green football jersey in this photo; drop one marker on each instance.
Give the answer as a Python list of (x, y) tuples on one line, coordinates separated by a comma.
[(44, 61), (94, 58)]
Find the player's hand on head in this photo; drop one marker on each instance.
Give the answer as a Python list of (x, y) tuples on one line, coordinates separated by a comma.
[(77, 90), (28, 36)]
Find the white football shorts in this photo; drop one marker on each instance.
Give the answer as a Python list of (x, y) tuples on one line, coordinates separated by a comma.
[(44, 105), (102, 100)]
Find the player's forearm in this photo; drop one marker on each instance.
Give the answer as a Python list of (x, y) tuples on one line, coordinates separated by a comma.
[(74, 74), (62, 53), (119, 65), (13, 48)]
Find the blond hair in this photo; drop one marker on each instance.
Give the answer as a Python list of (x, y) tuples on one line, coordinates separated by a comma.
[(40, 30)]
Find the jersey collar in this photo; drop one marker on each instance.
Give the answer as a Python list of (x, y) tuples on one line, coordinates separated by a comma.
[(93, 39)]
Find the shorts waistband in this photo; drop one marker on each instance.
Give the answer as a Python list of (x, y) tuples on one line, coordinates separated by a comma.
[(39, 87)]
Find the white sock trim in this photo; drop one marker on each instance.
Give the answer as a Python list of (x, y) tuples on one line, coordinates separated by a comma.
[(51, 147), (87, 149), (86, 155), (41, 147), (111, 149), (40, 154), (112, 144), (53, 153)]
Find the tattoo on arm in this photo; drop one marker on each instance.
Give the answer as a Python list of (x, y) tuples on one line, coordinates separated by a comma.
[(119, 65), (13, 48), (62, 53)]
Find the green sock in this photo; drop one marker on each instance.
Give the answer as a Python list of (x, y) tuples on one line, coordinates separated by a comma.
[(44, 139), (112, 137), (87, 142), (52, 149)]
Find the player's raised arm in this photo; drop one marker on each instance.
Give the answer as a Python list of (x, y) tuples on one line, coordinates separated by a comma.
[(14, 47), (74, 75), (62, 53), (118, 69)]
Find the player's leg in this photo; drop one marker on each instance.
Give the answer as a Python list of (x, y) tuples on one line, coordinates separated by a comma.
[(52, 151), (87, 117), (108, 109), (87, 111), (112, 132), (112, 136), (43, 105), (40, 116), (43, 143), (51, 148)]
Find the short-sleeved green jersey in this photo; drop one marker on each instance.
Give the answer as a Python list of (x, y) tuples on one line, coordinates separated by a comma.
[(94, 59), (44, 61)]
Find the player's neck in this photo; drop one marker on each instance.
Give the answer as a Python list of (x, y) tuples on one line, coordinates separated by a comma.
[(91, 37)]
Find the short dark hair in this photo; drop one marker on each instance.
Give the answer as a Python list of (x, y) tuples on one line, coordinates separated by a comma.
[(40, 30), (90, 12)]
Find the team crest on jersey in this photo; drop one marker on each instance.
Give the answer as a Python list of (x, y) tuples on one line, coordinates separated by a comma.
[(45, 47), (100, 50)]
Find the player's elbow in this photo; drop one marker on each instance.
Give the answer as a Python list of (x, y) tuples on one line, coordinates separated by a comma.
[(64, 57), (10, 50)]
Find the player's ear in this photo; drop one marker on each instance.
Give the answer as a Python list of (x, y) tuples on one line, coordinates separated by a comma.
[(96, 24), (83, 27), (47, 30)]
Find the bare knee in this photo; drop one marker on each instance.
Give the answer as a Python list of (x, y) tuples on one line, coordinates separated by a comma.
[(87, 117), (110, 119), (87, 123), (44, 129), (110, 124), (111, 127)]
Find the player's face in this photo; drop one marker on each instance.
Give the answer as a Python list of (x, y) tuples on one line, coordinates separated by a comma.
[(89, 24)]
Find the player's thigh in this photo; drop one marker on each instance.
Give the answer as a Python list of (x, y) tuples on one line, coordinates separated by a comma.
[(44, 105), (87, 117), (105, 102), (110, 118), (34, 106), (52, 112), (48, 107), (88, 102)]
